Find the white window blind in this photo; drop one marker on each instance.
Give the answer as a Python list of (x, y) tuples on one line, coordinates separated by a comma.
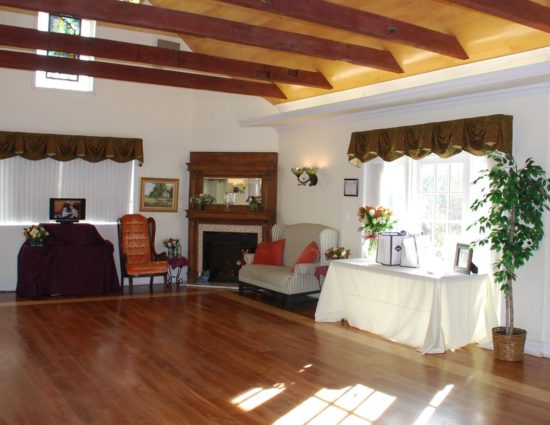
[(26, 187)]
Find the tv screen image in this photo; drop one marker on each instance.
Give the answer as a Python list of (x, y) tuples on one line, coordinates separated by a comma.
[(67, 209)]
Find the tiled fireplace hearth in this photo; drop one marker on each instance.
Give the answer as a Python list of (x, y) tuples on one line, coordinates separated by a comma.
[(219, 217), (220, 246)]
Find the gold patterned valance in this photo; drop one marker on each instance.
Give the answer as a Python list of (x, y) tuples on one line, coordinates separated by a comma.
[(36, 146), (447, 138)]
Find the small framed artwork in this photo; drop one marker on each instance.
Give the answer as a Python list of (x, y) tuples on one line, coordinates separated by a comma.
[(351, 187), (463, 258), (160, 195)]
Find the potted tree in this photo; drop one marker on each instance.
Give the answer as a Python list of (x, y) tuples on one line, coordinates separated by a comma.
[(516, 198)]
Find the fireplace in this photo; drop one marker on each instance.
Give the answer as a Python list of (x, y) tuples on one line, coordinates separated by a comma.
[(228, 218), (221, 252)]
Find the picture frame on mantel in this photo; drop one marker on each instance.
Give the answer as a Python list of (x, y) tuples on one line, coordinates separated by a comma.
[(351, 187), (159, 194)]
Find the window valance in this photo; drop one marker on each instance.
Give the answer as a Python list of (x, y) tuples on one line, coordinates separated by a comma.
[(446, 138), (36, 146)]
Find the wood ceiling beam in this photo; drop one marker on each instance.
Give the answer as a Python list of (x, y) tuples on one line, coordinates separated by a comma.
[(112, 71), (33, 39), (350, 19), (151, 17), (523, 12)]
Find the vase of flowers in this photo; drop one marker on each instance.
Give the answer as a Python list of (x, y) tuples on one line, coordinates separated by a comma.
[(36, 234), (256, 203), (374, 220), (173, 246), (337, 253), (201, 200)]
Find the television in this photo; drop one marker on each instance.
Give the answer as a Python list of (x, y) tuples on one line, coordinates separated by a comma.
[(67, 210)]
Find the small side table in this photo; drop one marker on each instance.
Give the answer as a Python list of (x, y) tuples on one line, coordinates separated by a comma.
[(320, 271), (177, 264)]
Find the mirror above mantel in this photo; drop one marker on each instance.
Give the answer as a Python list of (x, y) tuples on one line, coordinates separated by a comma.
[(232, 190)]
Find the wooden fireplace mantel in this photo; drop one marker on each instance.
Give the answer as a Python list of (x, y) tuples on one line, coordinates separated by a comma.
[(237, 165)]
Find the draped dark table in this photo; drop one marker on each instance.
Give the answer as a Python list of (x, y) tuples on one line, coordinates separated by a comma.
[(75, 260)]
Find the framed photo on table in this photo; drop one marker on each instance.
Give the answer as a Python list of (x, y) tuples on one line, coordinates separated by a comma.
[(463, 258), (159, 195), (351, 187)]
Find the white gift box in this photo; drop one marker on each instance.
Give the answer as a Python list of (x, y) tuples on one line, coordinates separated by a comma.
[(389, 248), (413, 250)]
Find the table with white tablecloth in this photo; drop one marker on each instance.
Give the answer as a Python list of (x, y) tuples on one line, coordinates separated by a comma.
[(431, 312)]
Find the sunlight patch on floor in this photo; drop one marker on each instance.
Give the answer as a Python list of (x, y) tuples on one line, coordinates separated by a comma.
[(254, 397), (435, 402), (357, 405)]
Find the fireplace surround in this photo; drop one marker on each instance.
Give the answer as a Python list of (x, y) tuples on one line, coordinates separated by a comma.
[(220, 217)]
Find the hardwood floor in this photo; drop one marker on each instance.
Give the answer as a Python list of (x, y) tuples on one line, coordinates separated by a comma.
[(208, 356)]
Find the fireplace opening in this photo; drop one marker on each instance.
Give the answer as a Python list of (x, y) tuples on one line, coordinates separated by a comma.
[(222, 250)]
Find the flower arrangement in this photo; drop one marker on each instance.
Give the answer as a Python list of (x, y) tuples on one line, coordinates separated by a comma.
[(337, 253), (173, 245), (256, 202), (171, 242), (199, 201), (375, 219), (36, 234)]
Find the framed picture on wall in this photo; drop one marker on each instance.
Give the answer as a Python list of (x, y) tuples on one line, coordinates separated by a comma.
[(351, 187), (159, 195)]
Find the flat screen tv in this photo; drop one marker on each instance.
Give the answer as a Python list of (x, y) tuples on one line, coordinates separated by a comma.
[(67, 210)]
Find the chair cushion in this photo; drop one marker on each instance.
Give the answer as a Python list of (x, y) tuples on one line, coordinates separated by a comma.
[(308, 255), (147, 268), (270, 253)]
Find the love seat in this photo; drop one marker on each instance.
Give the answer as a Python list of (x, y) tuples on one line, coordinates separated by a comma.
[(293, 277)]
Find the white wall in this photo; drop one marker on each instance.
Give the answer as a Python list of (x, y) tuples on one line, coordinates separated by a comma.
[(324, 143), (166, 118)]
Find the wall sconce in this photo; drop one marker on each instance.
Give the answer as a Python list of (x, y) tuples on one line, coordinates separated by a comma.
[(309, 177)]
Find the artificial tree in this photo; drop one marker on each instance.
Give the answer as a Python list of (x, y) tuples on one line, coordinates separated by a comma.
[(516, 198)]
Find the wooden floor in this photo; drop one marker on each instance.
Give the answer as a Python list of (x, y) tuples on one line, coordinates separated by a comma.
[(208, 356)]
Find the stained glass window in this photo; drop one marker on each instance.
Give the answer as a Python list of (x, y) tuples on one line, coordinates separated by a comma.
[(64, 25)]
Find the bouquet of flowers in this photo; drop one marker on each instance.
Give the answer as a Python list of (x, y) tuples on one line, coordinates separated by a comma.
[(255, 202), (35, 234), (171, 242), (202, 199), (337, 252), (375, 219)]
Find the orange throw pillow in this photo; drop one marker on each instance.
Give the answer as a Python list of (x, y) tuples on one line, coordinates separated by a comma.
[(270, 253), (308, 255)]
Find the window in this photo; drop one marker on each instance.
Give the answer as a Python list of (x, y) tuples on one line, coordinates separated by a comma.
[(430, 196), (26, 187), (441, 199), (65, 25)]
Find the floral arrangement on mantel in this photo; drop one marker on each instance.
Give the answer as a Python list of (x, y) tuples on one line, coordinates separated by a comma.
[(201, 200), (255, 202), (337, 253), (36, 234), (374, 220)]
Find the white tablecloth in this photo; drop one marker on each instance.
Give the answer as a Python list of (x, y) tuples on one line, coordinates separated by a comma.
[(433, 313)]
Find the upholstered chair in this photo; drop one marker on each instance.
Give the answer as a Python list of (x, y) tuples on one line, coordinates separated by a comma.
[(138, 258)]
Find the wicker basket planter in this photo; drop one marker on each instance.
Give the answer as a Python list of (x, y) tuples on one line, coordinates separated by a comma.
[(509, 347)]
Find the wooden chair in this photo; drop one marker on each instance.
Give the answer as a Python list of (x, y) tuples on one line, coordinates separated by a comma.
[(138, 258)]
